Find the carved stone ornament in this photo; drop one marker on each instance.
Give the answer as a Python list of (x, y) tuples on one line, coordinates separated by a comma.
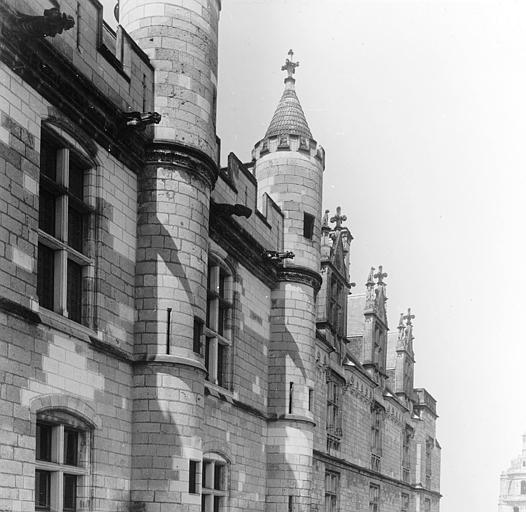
[(278, 256), (139, 120), (300, 275), (51, 23), (239, 210)]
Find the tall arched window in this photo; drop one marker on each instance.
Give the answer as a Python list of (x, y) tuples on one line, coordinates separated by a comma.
[(523, 486), (218, 321), (62, 461)]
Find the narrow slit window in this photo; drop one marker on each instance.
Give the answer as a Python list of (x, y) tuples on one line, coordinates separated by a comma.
[(308, 225)]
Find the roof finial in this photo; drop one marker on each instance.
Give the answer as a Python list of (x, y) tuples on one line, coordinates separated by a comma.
[(380, 275), (370, 281), (401, 325), (338, 218), (290, 67), (408, 317)]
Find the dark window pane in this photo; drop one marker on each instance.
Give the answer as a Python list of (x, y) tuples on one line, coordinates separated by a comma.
[(70, 493), (75, 229), (222, 282), (42, 488), (218, 500), (207, 354), (221, 364), (203, 502), (308, 225), (48, 158), (46, 211), (71, 447), (76, 179), (74, 286), (222, 316), (192, 482), (43, 441), (218, 477), (46, 276), (198, 332)]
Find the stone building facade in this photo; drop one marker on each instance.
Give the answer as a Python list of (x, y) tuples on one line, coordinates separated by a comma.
[(512, 496), (177, 335)]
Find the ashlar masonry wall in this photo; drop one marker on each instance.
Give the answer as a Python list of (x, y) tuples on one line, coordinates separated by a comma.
[(48, 362)]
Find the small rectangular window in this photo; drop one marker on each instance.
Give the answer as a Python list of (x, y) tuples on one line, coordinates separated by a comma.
[(311, 398), (192, 479), (198, 333), (291, 396), (308, 225)]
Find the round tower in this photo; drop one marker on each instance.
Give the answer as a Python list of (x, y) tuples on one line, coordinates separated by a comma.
[(181, 167), (289, 166)]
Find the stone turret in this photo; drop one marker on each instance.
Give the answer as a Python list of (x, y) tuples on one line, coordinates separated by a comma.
[(172, 254), (289, 166), (405, 357)]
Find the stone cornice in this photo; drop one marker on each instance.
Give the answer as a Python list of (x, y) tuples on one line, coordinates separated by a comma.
[(301, 275), (53, 76), (178, 155)]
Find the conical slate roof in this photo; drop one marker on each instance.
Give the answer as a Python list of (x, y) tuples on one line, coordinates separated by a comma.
[(289, 118)]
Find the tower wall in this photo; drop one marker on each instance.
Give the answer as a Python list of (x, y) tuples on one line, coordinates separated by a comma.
[(289, 169), (172, 249), (293, 178), (181, 40)]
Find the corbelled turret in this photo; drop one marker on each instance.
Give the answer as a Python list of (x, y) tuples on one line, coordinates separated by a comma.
[(289, 168)]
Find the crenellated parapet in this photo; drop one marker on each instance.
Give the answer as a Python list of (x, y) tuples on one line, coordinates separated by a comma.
[(286, 142)]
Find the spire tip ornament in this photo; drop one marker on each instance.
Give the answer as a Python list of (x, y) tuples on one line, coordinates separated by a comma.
[(290, 67), (380, 275)]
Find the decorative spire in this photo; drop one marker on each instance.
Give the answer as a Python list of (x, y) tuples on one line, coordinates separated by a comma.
[(290, 67), (401, 325), (408, 317), (370, 279), (325, 220), (370, 296), (380, 275), (338, 218), (289, 119)]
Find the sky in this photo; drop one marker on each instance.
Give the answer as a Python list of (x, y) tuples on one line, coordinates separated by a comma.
[(421, 108)]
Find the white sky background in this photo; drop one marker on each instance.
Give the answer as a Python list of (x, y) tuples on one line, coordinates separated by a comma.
[(421, 108)]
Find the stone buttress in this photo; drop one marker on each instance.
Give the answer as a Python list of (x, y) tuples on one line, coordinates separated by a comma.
[(289, 167), (181, 168)]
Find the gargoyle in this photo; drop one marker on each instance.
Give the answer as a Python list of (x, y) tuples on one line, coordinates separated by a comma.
[(139, 120), (238, 210), (51, 23), (278, 256)]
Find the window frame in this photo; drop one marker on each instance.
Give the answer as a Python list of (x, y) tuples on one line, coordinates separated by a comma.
[(374, 497), (309, 221), (429, 461), (404, 502), (219, 322), (332, 491), (214, 498), (57, 466), (62, 167), (334, 414), (376, 440)]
